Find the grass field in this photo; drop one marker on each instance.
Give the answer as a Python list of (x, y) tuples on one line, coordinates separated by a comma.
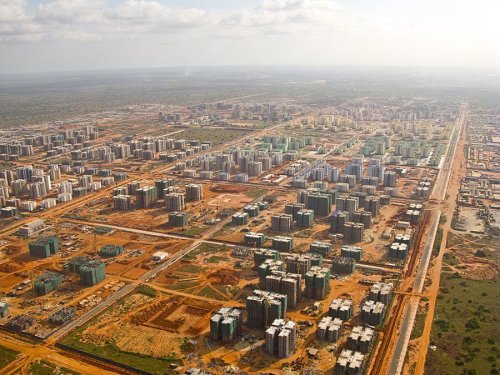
[(44, 367), (254, 193), (465, 328), (191, 232), (216, 259), (205, 248), (183, 285), (191, 268), (112, 352), (6, 356), (147, 291), (209, 292)]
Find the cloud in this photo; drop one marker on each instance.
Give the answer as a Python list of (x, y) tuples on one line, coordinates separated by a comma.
[(101, 20), (94, 19)]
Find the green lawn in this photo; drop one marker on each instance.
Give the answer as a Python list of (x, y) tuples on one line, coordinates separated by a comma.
[(465, 329), (6, 356)]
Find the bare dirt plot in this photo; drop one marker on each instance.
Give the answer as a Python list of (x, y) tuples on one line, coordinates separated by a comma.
[(177, 314), (230, 201)]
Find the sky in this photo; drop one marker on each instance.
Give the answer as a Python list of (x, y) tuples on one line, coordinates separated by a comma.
[(68, 35)]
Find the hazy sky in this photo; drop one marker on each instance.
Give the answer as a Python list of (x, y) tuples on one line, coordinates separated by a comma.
[(54, 35)]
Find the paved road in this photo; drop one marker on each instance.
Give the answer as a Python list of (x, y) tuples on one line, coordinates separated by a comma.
[(438, 193)]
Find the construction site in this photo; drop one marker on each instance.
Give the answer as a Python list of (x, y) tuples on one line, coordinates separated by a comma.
[(309, 245)]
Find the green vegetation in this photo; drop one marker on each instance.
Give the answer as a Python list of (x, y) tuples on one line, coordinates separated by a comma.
[(205, 248), (418, 328), (210, 292), (183, 285), (147, 290), (450, 259), (254, 193), (437, 242), (466, 327), (44, 367), (112, 352), (442, 219), (78, 217), (191, 268), (191, 231), (481, 254), (227, 289), (187, 346), (6, 356), (216, 259)]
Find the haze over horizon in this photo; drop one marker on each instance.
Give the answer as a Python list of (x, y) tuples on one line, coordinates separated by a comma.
[(71, 35)]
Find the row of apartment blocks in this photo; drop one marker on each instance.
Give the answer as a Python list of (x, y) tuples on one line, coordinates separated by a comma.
[(67, 138), (38, 184), (244, 162), (147, 196), (375, 306), (376, 173)]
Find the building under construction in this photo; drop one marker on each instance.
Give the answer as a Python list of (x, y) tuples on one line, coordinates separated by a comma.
[(264, 307), (281, 338), (373, 313), (305, 218), (226, 324), (109, 251), (261, 255), (289, 284), (239, 218), (349, 363), (301, 263), (255, 239), (47, 282), (329, 329), (317, 282), (268, 267), (63, 316), (361, 339), (21, 322), (381, 292), (340, 308), (177, 219), (44, 247), (322, 248), (343, 265), (282, 243), (92, 273), (145, 197), (354, 252)]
